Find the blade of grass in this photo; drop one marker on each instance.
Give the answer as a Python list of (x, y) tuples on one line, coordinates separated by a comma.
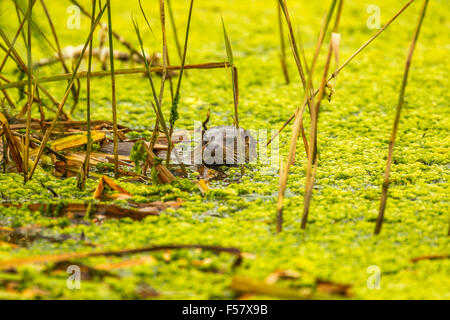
[(66, 94), (401, 101), (240, 152), (294, 49), (299, 117), (283, 46), (156, 106), (113, 92), (312, 159), (356, 53)]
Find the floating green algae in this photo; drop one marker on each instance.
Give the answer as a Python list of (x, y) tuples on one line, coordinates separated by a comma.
[(354, 129)]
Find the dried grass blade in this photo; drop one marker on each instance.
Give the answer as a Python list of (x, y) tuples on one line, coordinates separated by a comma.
[(401, 100)]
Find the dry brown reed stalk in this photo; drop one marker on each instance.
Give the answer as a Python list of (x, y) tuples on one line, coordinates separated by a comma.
[(22, 33), (117, 36), (36, 99), (294, 49), (113, 91), (283, 46), (84, 174), (22, 66), (174, 29), (66, 95), (338, 70), (9, 99), (35, 27), (308, 99), (106, 73), (156, 106), (59, 53), (401, 101), (30, 93), (13, 42), (41, 109), (312, 159), (12, 143)]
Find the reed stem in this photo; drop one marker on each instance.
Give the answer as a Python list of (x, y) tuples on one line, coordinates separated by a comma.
[(401, 101), (356, 53), (66, 95), (113, 92), (312, 159)]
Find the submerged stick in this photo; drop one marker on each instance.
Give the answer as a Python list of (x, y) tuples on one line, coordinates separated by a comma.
[(401, 101), (69, 256)]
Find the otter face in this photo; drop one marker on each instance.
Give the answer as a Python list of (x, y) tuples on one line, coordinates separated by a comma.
[(221, 146)]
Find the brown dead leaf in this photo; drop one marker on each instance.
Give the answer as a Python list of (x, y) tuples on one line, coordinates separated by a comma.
[(110, 183), (99, 190)]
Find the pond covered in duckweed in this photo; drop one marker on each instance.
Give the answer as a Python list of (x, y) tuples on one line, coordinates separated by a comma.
[(338, 244)]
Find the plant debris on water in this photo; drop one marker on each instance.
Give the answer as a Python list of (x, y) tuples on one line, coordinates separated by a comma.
[(159, 157)]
